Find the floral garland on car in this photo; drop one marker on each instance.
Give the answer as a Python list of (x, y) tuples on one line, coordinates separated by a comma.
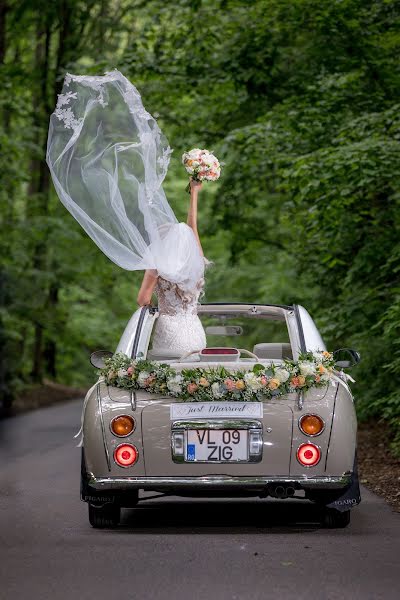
[(312, 369)]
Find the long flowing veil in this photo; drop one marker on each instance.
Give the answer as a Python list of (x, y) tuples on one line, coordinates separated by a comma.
[(108, 159)]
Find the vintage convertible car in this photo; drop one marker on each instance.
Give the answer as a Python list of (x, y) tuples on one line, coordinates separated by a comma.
[(298, 445)]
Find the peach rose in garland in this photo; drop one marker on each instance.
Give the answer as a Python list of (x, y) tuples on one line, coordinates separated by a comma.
[(298, 381), (240, 384), (192, 388), (204, 382), (274, 383)]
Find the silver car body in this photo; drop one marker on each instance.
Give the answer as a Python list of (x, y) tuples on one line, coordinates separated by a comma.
[(156, 418)]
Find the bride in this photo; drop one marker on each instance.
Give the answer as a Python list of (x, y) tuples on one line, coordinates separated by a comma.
[(108, 159), (178, 328)]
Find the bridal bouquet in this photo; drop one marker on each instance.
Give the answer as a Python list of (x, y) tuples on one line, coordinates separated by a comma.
[(201, 165)]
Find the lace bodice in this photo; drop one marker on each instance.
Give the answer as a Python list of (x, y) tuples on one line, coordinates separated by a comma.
[(172, 300), (178, 328)]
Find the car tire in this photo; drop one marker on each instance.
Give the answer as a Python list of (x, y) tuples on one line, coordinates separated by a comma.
[(334, 519), (105, 516)]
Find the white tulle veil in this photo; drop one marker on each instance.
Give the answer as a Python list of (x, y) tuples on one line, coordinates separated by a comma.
[(108, 159)]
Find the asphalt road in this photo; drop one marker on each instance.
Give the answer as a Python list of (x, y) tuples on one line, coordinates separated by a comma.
[(173, 548)]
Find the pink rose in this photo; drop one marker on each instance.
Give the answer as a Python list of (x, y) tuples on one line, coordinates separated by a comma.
[(192, 387), (130, 371), (264, 380), (229, 384)]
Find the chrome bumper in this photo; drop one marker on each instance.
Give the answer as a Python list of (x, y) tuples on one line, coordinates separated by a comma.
[(215, 482)]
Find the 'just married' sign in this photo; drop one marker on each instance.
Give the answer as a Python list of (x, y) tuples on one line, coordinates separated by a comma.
[(209, 410)]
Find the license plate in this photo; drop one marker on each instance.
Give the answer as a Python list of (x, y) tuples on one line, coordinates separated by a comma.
[(217, 445)]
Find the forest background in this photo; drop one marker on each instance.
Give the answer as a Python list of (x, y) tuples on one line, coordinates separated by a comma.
[(299, 99)]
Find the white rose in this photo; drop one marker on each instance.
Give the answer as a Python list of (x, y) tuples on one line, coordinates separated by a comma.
[(194, 154), (253, 382), (216, 390), (282, 375), (174, 384), (319, 357), (307, 368), (143, 375), (122, 372)]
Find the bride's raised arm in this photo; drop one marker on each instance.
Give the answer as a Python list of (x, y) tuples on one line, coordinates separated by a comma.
[(195, 186)]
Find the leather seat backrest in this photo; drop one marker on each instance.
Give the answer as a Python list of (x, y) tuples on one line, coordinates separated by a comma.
[(273, 350)]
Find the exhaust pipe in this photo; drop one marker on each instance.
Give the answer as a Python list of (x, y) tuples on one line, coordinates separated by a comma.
[(282, 491)]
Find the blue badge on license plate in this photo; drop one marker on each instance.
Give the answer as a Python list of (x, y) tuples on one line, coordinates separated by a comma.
[(191, 452)]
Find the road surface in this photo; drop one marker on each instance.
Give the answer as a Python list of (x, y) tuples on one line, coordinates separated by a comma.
[(173, 548)]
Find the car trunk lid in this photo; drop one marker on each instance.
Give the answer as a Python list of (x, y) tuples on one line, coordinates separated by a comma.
[(276, 420)]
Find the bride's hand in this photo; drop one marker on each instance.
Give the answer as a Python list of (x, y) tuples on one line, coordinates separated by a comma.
[(195, 185)]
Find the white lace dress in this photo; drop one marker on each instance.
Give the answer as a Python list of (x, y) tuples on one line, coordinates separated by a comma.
[(178, 327)]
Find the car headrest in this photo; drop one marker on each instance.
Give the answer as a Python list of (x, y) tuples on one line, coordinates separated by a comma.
[(273, 350), (163, 354)]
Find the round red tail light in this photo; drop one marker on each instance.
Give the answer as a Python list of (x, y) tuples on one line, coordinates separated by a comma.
[(126, 455), (308, 455)]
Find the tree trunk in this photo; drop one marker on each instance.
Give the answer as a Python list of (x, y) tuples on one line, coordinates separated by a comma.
[(39, 181)]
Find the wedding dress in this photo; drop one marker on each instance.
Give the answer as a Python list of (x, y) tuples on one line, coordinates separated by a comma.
[(178, 328), (108, 158)]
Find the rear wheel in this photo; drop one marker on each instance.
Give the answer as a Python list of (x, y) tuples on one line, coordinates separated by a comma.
[(105, 516), (334, 519)]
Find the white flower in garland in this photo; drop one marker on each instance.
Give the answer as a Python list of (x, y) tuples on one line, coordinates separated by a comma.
[(174, 384), (217, 390), (253, 381), (142, 378), (122, 373), (281, 375), (307, 368)]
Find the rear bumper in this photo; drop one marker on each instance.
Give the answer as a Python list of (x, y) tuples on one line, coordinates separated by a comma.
[(216, 482)]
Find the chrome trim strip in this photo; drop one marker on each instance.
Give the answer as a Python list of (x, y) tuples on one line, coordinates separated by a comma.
[(132, 395), (103, 430), (300, 400), (218, 481), (217, 424), (331, 427), (138, 330), (300, 328)]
